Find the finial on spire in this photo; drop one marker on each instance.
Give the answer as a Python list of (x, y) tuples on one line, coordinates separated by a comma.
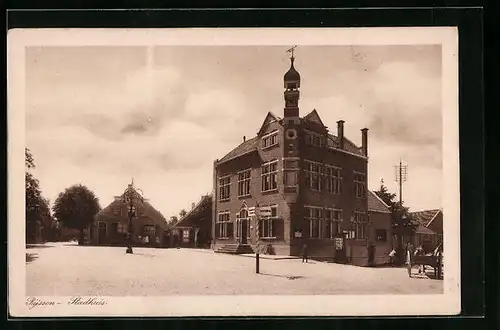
[(291, 50), (132, 184)]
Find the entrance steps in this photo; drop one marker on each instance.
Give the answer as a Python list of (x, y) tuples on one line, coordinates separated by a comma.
[(235, 249)]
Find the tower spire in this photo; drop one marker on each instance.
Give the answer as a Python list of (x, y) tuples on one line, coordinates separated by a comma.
[(291, 50), (292, 85)]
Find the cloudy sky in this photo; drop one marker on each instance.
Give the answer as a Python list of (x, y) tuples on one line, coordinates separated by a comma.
[(102, 115)]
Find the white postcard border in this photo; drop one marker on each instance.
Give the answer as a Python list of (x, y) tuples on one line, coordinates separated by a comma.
[(447, 303)]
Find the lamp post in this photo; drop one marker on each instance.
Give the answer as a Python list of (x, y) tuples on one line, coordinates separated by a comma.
[(130, 195), (131, 211)]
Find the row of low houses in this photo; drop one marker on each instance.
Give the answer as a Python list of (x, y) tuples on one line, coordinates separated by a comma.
[(309, 184), (196, 230)]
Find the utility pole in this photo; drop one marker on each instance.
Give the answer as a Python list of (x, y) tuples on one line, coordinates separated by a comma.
[(257, 236), (401, 176)]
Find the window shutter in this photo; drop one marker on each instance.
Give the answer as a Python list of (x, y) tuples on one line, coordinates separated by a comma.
[(217, 230), (230, 229)]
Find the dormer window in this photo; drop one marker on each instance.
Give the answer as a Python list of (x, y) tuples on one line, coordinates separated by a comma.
[(270, 140)]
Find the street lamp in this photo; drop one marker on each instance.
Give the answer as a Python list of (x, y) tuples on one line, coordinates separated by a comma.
[(131, 213), (130, 196)]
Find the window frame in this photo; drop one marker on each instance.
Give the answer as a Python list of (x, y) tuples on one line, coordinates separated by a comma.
[(272, 138), (122, 228), (311, 219), (223, 185), (360, 226), (223, 225), (334, 222), (359, 185), (244, 184), (309, 175), (333, 181), (269, 221), (272, 174)]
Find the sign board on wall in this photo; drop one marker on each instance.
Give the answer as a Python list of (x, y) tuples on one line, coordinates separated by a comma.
[(251, 211), (265, 211), (339, 243)]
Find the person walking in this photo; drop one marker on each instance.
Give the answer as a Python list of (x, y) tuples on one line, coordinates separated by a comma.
[(408, 258), (392, 256), (304, 253)]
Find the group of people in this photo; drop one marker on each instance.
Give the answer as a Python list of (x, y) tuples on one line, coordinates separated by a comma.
[(409, 253)]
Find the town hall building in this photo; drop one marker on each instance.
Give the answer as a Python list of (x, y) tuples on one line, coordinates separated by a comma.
[(313, 182)]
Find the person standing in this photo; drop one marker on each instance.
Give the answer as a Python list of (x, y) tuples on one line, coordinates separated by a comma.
[(304, 253), (408, 258)]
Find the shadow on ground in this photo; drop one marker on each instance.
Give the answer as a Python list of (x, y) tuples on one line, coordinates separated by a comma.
[(144, 254), (37, 246), (288, 277), (31, 257)]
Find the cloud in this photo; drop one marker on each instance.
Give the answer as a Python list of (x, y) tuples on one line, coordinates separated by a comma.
[(165, 125)]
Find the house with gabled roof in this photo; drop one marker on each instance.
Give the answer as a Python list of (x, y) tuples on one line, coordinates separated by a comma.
[(111, 224), (195, 228), (309, 184), (430, 227), (381, 235)]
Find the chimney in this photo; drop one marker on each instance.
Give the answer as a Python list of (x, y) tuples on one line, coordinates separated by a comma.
[(244, 138), (192, 206), (340, 133), (364, 141)]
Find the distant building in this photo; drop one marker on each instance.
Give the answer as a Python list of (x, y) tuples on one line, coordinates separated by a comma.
[(314, 182), (430, 227), (110, 227), (195, 228)]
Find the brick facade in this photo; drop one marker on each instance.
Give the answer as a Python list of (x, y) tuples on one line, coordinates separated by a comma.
[(296, 148)]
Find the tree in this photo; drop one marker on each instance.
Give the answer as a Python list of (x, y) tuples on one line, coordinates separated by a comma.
[(403, 225), (37, 208), (182, 213), (385, 195), (75, 208), (173, 220)]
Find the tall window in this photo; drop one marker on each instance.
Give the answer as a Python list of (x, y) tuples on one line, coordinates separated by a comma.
[(312, 173), (314, 216), (270, 140), (270, 176), (224, 188), (290, 168), (333, 218), (223, 227), (244, 183), (267, 225), (359, 184), (333, 179), (360, 225)]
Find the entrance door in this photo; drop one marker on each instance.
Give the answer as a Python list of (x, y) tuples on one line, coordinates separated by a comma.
[(244, 231), (101, 236)]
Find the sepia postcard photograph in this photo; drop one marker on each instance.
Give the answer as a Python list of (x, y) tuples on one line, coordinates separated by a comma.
[(233, 172)]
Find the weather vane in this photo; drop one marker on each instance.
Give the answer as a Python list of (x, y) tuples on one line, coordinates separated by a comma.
[(291, 50)]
